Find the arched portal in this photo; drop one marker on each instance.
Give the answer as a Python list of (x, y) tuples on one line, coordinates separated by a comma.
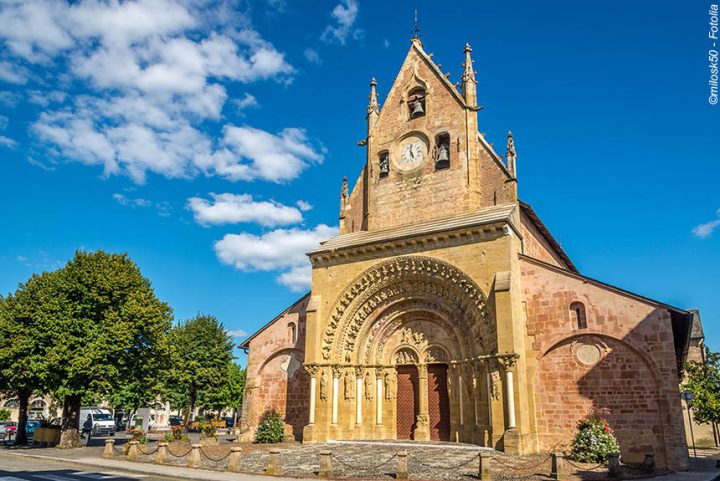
[(396, 342)]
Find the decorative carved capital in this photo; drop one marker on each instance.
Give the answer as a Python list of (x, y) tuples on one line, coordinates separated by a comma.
[(337, 371), (507, 361), (312, 369)]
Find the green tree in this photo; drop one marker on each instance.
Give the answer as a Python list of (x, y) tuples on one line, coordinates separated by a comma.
[(25, 336), (4, 415), (703, 380), (201, 353), (110, 332), (234, 390)]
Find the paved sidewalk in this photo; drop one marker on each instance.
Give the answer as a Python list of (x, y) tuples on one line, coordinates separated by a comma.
[(704, 466)]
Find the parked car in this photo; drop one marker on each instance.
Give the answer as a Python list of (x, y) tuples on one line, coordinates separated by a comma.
[(31, 426), (9, 428), (149, 424), (175, 420)]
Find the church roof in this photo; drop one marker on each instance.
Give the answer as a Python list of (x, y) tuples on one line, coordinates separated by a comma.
[(246, 343), (487, 215), (545, 232)]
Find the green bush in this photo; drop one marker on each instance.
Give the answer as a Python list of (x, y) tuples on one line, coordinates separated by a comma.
[(271, 428), (168, 438), (594, 441), (4, 414)]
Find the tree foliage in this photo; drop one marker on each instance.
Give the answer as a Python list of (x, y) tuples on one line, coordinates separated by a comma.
[(26, 332), (201, 355), (271, 428), (703, 380), (594, 441), (86, 329)]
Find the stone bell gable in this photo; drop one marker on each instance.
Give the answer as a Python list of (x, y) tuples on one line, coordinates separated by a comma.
[(424, 155)]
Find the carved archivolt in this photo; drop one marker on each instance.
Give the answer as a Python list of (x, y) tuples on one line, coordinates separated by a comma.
[(405, 356), (398, 278)]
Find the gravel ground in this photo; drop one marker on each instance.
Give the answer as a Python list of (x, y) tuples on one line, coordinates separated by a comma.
[(379, 461)]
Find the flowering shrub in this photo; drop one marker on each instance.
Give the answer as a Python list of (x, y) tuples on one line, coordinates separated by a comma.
[(594, 440), (271, 428)]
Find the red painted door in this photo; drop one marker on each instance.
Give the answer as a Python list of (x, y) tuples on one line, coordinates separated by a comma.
[(438, 402), (407, 408)]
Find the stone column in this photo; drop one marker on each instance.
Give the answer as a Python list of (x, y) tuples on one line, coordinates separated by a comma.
[(476, 395), (358, 395), (460, 396), (508, 362), (312, 371), (336, 371), (379, 396), (422, 430)]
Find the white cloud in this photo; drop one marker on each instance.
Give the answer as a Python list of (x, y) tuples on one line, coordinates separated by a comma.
[(4, 120), (705, 230), (386, 43), (279, 250), (275, 157), (246, 101), (344, 16), (7, 142), (136, 202), (154, 72), (304, 206), (237, 333), (237, 208), (312, 56), (12, 73)]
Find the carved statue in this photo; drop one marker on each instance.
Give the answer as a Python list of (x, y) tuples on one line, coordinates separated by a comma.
[(495, 385), (323, 386), (390, 387), (369, 387), (349, 386)]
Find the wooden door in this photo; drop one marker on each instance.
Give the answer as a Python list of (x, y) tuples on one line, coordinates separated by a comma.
[(438, 402), (407, 406)]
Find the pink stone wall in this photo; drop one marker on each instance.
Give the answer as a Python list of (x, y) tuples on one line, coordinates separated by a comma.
[(276, 379), (634, 378)]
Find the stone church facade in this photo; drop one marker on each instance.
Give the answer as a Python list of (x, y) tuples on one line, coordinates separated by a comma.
[(445, 309)]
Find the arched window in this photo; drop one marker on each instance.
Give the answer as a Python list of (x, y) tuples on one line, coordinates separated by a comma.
[(442, 151), (416, 102), (292, 332), (577, 311), (12, 403), (384, 163)]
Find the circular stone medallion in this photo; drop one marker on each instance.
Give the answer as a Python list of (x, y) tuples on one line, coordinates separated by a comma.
[(588, 354)]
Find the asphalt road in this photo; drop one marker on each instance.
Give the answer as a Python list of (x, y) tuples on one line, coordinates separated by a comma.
[(18, 469)]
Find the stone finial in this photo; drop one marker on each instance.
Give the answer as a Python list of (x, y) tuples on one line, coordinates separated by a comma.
[(373, 104), (510, 154), (343, 196), (469, 84)]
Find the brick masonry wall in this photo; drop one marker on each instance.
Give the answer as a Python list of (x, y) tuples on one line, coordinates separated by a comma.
[(623, 362), (276, 379), (535, 246)]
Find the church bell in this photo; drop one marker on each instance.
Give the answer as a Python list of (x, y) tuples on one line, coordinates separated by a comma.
[(417, 109), (442, 153)]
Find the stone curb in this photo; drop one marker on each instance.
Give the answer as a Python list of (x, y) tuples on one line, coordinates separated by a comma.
[(177, 472)]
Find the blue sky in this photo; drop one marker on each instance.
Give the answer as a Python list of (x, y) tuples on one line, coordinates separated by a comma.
[(209, 140)]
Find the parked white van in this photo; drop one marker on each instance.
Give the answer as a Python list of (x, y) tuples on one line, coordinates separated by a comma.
[(103, 423)]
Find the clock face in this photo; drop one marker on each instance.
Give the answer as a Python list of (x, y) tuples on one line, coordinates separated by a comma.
[(412, 154)]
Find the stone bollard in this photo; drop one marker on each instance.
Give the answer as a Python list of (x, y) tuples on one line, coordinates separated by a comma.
[(557, 466), (484, 473), (326, 470), (272, 465), (194, 460), (161, 453), (108, 452), (402, 469), (132, 453), (234, 463), (648, 465), (614, 465)]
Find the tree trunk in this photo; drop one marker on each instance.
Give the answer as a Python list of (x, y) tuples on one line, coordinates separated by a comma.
[(70, 436), (21, 436), (191, 406)]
